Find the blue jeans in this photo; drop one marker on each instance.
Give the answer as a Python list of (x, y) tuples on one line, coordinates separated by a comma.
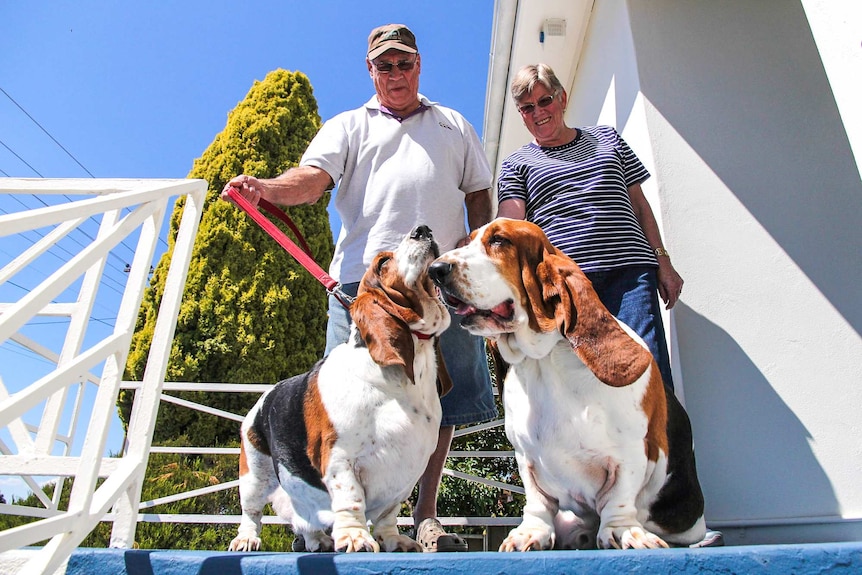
[(472, 398), (631, 294)]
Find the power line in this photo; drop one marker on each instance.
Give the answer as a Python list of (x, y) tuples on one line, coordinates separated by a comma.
[(20, 107), (20, 158), (46, 133), (79, 229), (59, 246), (7, 347)]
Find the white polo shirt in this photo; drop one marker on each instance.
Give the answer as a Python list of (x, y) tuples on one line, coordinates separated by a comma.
[(393, 175)]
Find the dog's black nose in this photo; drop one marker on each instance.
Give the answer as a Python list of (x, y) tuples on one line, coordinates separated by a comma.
[(439, 272), (422, 232)]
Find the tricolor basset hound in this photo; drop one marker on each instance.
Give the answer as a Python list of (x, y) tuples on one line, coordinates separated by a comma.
[(345, 443), (604, 449)]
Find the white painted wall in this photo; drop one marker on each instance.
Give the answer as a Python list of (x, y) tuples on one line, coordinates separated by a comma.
[(560, 52), (837, 29), (750, 138), (747, 114)]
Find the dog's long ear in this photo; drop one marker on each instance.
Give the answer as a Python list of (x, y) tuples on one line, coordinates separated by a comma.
[(387, 336), (533, 251), (499, 366), (444, 382), (596, 336)]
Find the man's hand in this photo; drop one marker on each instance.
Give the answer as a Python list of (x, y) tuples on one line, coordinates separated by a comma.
[(248, 186)]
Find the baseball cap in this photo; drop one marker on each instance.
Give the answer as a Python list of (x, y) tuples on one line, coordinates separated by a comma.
[(391, 37)]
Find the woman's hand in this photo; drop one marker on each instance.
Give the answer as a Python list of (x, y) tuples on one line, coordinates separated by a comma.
[(669, 282)]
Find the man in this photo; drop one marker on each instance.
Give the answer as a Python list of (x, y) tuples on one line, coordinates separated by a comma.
[(399, 160)]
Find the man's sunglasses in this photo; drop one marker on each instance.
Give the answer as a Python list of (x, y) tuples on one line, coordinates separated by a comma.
[(542, 102), (386, 67)]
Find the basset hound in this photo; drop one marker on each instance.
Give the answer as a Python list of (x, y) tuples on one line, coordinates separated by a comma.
[(604, 449), (345, 443)]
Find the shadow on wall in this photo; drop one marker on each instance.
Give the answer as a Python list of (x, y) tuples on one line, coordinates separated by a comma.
[(746, 469), (743, 83)]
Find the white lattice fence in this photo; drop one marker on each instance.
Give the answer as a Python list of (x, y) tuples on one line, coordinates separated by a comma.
[(31, 417)]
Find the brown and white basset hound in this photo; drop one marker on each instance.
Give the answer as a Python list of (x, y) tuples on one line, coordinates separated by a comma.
[(604, 449), (345, 443)]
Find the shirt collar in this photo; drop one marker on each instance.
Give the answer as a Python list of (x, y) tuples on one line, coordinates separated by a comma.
[(424, 104)]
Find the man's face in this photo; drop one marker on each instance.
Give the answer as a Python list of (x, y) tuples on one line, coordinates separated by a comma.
[(397, 88)]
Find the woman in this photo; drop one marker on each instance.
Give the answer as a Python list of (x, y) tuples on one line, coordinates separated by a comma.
[(582, 186)]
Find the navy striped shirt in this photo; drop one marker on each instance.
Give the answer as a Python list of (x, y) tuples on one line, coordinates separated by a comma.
[(578, 194)]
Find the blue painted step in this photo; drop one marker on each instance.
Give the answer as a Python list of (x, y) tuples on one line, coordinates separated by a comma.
[(832, 558)]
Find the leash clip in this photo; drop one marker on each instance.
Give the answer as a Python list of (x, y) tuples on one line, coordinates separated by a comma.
[(342, 297)]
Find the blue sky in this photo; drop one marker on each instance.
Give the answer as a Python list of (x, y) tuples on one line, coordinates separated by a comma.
[(139, 89)]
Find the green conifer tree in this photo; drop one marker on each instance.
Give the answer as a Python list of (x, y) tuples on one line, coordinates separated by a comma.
[(250, 312)]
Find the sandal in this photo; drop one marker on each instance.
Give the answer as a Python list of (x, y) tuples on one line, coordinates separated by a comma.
[(431, 536), (711, 539), (298, 544)]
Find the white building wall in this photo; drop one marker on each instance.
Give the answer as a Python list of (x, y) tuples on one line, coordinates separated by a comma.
[(750, 138), (837, 29)]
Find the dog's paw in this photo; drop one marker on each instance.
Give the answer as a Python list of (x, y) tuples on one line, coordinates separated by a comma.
[(629, 537), (354, 540), (528, 539), (244, 543), (399, 544), (318, 542)]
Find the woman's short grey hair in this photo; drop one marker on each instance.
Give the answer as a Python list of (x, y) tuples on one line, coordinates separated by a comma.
[(527, 77)]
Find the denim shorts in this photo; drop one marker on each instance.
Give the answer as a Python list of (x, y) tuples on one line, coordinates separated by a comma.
[(471, 399), (631, 294)]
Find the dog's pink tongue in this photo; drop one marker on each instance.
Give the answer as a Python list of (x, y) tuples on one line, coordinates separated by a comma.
[(465, 309), (502, 309)]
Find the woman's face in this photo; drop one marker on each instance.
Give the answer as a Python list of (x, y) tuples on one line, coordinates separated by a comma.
[(542, 112)]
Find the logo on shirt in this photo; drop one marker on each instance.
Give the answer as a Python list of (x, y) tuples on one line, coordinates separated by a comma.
[(447, 126)]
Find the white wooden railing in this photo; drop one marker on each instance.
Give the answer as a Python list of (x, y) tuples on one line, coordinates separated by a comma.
[(31, 443), (125, 209)]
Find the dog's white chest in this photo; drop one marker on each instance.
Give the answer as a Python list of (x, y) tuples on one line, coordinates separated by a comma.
[(579, 429), (388, 424)]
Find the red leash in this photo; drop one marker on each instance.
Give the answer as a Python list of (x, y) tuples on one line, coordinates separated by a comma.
[(303, 256)]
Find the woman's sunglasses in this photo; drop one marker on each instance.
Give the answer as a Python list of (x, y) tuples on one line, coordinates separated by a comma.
[(542, 102)]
